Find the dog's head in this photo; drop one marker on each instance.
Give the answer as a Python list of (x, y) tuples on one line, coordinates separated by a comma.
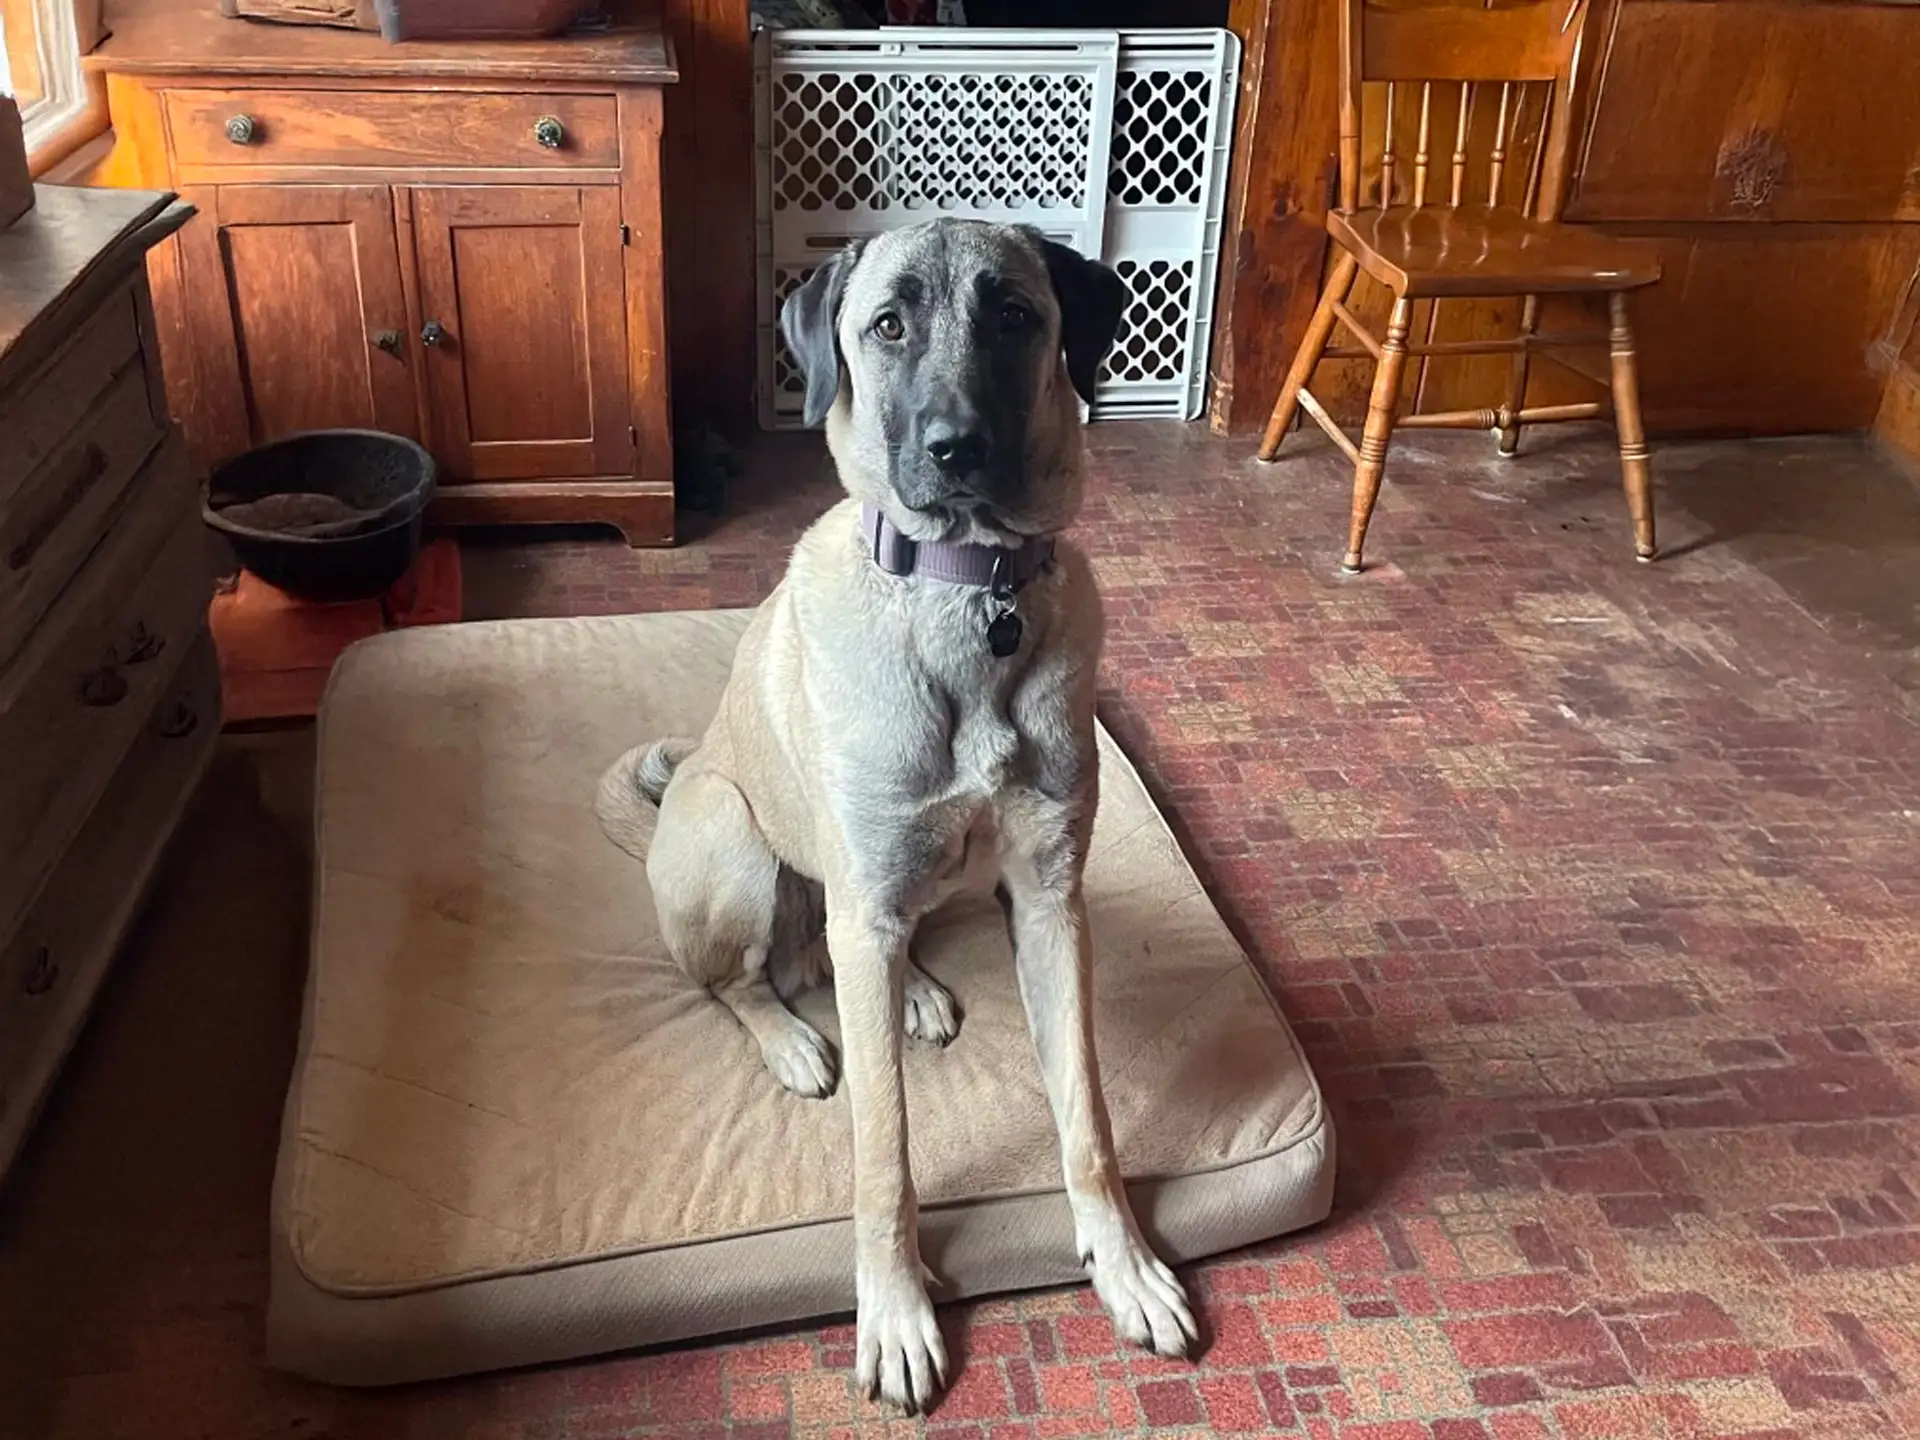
[(944, 359)]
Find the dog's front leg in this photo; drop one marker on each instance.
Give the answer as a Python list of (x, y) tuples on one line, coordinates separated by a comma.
[(1053, 953), (899, 1352)]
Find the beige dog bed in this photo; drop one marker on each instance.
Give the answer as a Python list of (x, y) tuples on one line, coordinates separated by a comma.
[(516, 1133)]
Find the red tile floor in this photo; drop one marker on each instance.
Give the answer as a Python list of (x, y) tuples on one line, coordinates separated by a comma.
[(1592, 888)]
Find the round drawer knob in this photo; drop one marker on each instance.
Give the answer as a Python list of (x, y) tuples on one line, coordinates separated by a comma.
[(178, 721), (142, 645), (549, 131), (103, 687), (433, 333), (240, 129)]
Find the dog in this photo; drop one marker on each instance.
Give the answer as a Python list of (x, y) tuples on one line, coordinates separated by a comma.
[(910, 716)]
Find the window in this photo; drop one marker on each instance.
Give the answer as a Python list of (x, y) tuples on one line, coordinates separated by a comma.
[(40, 65)]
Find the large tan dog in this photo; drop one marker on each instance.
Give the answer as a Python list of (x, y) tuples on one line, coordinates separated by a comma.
[(910, 714)]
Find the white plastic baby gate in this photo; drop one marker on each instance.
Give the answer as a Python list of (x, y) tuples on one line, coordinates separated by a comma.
[(1114, 142)]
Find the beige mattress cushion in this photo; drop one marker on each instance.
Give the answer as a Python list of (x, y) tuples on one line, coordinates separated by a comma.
[(516, 1132)]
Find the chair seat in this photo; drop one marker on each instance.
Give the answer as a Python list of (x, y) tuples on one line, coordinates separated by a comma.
[(1481, 251)]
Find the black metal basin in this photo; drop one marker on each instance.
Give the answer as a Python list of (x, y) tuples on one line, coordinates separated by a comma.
[(326, 514)]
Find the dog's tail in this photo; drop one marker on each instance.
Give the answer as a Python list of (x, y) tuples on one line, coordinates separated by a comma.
[(630, 792)]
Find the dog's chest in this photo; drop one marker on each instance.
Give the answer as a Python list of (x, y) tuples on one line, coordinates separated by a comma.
[(986, 750)]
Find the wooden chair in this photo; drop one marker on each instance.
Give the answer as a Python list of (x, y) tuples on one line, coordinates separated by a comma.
[(1475, 245)]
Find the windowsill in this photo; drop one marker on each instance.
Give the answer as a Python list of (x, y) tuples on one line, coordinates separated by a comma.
[(87, 123)]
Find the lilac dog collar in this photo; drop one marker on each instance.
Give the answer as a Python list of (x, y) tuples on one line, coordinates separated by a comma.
[(986, 566)]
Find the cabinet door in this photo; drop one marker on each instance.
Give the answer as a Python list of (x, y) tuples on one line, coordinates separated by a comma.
[(296, 314), (523, 310)]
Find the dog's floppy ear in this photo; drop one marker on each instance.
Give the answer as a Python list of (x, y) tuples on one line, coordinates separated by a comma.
[(811, 322), (1092, 300)]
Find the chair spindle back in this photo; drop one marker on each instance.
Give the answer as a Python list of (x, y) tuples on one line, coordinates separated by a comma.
[(1502, 79)]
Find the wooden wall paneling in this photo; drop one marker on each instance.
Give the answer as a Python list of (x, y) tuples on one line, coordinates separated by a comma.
[(1769, 329), (708, 160), (1278, 192), (1902, 340), (1762, 329), (1897, 426), (1757, 110)]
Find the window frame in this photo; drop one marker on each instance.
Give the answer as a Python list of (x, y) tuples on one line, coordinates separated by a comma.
[(65, 97)]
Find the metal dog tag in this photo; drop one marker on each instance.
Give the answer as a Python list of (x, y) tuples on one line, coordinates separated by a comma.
[(1003, 634)]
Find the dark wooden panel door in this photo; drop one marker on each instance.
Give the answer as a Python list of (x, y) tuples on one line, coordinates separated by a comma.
[(523, 328), (296, 314)]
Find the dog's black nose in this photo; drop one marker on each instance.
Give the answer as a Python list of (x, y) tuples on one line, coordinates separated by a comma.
[(956, 449)]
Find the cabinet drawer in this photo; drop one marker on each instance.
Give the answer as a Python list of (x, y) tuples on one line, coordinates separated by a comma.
[(52, 517), (58, 952), (73, 699), (376, 129)]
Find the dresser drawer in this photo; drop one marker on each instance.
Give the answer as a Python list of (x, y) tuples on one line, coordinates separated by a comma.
[(51, 515), (42, 413), (75, 695), (52, 961), (380, 129)]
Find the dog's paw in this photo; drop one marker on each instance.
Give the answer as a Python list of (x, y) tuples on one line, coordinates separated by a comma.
[(1145, 1300), (932, 1014), (801, 1059), (899, 1356)]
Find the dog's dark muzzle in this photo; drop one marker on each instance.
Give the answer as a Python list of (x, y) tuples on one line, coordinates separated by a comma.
[(958, 458)]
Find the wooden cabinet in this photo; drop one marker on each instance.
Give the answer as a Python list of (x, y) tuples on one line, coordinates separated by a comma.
[(457, 243)]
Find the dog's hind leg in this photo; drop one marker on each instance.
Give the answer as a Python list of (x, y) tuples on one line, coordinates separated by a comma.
[(796, 1054)]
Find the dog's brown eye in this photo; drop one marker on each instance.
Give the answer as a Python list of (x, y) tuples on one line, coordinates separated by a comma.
[(1015, 317), (888, 327)]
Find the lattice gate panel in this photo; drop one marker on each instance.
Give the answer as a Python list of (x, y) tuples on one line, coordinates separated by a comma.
[(1111, 141)]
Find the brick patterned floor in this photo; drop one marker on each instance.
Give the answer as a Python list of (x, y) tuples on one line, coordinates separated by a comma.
[(1593, 891)]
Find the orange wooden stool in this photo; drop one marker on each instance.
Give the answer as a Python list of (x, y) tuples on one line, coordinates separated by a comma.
[(276, 650)]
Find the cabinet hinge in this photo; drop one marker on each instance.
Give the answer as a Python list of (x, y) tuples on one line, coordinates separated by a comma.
[(633, 436), (626, 234)]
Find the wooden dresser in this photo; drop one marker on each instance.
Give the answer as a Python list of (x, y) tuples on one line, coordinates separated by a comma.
[(457, 242), (109, 691)]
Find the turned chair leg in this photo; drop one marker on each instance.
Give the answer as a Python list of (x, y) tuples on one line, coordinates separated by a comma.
[(1312, 345), (1508, 442), (1634, 470), (1373, 440)]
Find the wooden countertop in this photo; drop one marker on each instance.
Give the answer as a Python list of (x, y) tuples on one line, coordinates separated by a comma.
[(191, 37)]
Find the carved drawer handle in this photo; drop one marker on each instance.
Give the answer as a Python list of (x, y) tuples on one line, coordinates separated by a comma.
[(41, 974), (549, 132), (142, 645), (105, 686), (92, 464), (241, 129), (179, 721)]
